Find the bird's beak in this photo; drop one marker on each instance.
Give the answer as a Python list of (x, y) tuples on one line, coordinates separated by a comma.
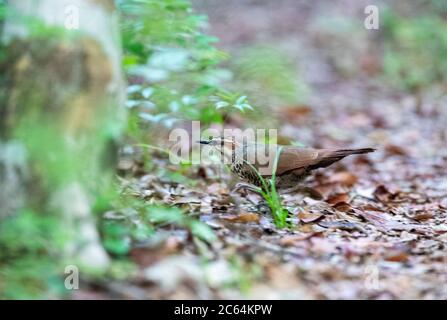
[(203, 142)]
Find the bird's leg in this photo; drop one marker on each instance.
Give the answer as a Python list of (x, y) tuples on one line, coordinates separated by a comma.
[(307, 191), (242, 186), (247, 187), (236, 199)]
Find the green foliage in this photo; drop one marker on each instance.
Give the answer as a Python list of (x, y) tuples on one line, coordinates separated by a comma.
[(31, 277), (415, 50), (162, 215), (116, 238), (35, 232), (30, 255), (2, 14), (225, 99), (172, 65), (58, 163), (139, 222)]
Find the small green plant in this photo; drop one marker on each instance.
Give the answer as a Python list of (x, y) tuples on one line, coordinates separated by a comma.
[(271, 195), (137, 221), (170, 215), (225, 99)]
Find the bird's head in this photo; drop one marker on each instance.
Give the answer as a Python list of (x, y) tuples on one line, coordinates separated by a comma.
[(219, 142), (226, 147)]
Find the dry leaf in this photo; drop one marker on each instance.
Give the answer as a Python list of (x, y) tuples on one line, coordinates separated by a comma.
[(243, 217), (383, 194), (308, 217), (216, 189), (341, 224), (397, 256), (395, 150), (370, 207), (338, 197), (343, 206), (344, 177), (293, 239), (384, 222), (423, 216)]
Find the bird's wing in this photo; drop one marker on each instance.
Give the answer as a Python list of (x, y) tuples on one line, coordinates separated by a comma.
[(293, 158)]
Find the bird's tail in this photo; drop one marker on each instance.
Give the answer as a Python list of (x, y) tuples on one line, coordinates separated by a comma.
[(347, 152), (328, 157)]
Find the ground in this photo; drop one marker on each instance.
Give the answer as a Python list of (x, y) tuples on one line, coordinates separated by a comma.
[(381, 230)]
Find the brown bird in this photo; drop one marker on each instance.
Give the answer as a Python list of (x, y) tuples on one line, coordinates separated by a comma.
[(250, 160)]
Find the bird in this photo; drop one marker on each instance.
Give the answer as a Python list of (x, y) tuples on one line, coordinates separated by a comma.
[(294, 163)]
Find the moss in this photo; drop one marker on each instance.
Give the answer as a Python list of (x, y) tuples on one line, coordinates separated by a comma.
[(38, 81)]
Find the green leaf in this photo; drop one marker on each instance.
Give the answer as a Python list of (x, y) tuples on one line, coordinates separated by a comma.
[(221, 104), (165, 215), (202, 231)]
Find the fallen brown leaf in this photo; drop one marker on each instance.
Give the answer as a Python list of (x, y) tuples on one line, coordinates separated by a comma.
[(338, 197), (344, 177), (308, 228), (383, 194), (397, 256), (423, 216), (308, 217), (395, 150), (384, 222), (293, 239), (342, 225), (342, 206), (243, 217), (216, 189), (370, 207)]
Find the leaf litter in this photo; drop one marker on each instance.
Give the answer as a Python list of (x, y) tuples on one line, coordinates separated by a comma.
[(379, 233)]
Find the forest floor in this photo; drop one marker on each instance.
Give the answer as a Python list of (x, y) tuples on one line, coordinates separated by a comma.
[(379, 233)]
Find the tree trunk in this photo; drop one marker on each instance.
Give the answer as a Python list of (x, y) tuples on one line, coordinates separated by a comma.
[(61, 98)]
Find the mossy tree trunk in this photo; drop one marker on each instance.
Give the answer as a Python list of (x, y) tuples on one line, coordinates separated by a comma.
[(61, 98)]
